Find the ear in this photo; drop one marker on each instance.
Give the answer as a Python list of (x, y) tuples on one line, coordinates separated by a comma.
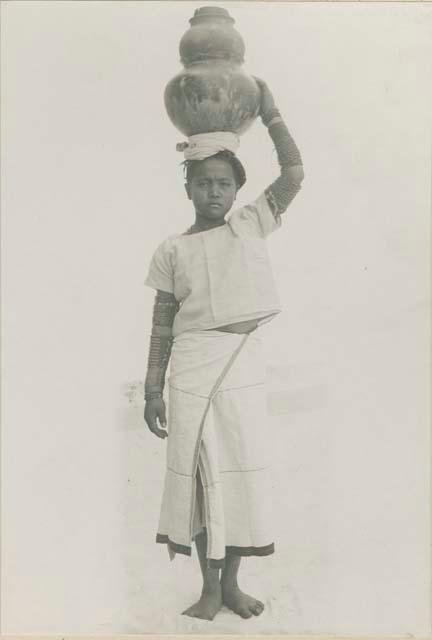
[(187, 189)]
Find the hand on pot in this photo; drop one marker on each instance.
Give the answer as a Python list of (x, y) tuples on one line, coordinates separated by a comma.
[(268, 105)]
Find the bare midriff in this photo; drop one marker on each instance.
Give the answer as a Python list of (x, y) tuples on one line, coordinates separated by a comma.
[(245, 326), (239, 327)]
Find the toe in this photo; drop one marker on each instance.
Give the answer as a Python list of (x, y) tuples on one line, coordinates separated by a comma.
[(245, 613), (256, 609)]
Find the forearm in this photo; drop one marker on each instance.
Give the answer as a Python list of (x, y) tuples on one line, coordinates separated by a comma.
[(283, 190), (164, 310)]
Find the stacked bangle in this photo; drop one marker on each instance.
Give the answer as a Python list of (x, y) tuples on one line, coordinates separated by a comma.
[(273, 121), (271, 115), (152, 395)]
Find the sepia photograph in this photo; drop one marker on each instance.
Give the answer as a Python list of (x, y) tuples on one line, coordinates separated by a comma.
[(216, 327)]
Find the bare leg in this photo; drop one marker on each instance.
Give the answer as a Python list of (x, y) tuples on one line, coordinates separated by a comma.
[(211, 596), (239, 602)]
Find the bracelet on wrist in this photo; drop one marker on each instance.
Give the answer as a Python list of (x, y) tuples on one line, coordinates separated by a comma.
[(153, 395), (269, 115), (273, 121)]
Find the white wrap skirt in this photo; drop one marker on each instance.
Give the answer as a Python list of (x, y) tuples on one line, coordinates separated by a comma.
[(217, 428)]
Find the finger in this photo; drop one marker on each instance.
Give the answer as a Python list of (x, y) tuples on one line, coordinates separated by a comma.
[(161, 427), (162, 417), (160, 433), (152, 425)]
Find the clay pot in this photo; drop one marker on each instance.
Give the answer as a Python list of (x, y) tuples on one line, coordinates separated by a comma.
[(212, 93)]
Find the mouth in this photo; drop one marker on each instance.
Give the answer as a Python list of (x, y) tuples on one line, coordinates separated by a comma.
[(215, 204)]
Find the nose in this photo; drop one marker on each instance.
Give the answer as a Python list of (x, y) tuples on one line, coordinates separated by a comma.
[(214, 191)]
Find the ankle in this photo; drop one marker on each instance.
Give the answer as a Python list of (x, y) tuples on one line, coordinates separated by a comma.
[(229, 582), (211, 587)]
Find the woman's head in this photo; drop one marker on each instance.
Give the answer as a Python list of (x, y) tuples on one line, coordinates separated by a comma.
[(227, 156), (212, 183)]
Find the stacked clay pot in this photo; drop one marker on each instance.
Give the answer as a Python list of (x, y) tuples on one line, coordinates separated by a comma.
[(212, 93)]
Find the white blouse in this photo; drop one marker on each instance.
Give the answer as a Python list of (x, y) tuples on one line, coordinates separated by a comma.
[(222, 275)]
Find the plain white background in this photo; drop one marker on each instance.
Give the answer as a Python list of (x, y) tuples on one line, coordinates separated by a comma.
[(91, 184)]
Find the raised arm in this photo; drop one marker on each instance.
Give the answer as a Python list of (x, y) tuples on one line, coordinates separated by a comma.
[(164, 310), (282, 191)]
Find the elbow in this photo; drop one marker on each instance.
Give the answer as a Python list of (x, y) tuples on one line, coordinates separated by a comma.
[(296, 173)]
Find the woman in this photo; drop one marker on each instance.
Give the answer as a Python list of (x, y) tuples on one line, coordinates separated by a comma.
[(215, 288)]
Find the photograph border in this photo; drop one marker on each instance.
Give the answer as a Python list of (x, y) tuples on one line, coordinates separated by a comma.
[(216, 636)]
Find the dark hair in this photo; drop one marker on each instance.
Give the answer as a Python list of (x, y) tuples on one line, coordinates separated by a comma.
[(228, 156)]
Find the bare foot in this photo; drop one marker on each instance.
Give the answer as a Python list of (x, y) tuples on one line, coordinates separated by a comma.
[(239, 602), (207, 606)]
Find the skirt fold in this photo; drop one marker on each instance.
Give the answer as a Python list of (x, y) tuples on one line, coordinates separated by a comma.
[(217, 426)]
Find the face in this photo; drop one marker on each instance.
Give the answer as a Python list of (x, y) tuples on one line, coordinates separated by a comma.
[(212, 189)]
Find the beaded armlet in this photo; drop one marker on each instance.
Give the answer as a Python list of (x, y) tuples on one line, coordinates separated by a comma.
[(282, 191), (164, 310)]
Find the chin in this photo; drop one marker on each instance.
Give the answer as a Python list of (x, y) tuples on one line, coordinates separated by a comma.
[(216, 215)]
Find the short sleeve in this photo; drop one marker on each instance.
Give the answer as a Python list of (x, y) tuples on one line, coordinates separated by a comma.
[(255, 218), (161, 273)]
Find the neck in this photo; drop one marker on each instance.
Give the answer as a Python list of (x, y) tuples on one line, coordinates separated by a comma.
[(202, 224)]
